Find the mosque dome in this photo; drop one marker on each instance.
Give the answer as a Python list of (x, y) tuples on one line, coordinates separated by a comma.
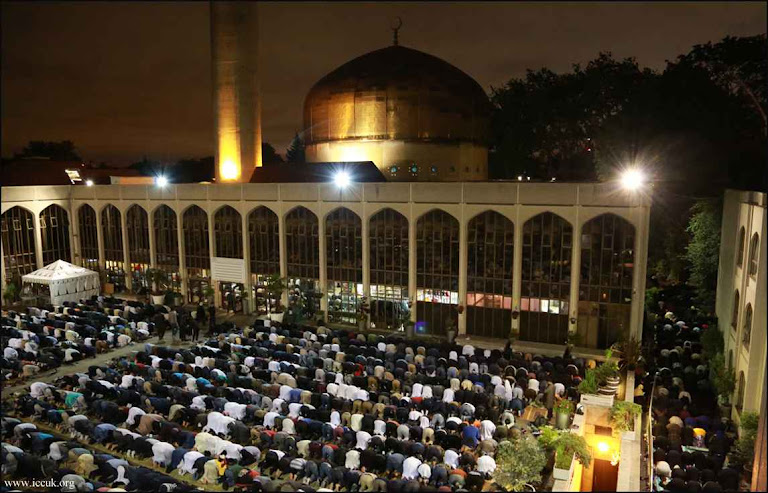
[(397, 93)]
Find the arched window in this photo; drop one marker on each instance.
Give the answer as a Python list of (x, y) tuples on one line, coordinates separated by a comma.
[(263, 230), (197, 257), (389, 268), (166, 230), (735, 315), (264, 237), (740, 251), (489, 278), (546, 279), (137, 223), (54, 223), (740, 392), (89, 237), (228, 233), (18, 232), (437, 271), (753, 252), (605, 287), (114, 261), (344, 259), (302, 246), (747, 333)]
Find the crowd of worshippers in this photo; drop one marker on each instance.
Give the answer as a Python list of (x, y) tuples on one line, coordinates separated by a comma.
[(300, 408), (47, 337), (690, 439)]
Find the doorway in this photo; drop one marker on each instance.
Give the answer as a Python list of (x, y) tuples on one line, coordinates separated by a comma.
[(605, 476)]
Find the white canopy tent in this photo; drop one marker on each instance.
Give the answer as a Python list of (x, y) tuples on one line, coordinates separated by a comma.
[(65, 281)]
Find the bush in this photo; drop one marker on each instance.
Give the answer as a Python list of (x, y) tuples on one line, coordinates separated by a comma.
[(623, 416), (564, 407), (722, 378), (519, 462), (712, 341), (743, 453), (589, 384), (565, 445)]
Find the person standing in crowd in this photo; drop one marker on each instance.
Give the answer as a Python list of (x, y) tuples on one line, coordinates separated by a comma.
[(202, 316), (161, 324), (195, 326), (173, 322), (211, 319)]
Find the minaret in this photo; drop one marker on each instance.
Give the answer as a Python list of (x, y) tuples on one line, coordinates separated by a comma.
[(236, 101)]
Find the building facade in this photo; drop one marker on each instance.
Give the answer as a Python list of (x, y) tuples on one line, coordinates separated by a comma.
[(741, 294), (488, 258)]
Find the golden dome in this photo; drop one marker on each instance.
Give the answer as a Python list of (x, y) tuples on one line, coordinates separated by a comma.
[(397, 93)]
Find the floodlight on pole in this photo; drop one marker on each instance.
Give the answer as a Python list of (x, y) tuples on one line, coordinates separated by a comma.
[(88, 183), (341, 179), (161, 181), (632, 179)]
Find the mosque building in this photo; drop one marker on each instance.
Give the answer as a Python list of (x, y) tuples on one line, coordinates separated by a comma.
[(418, 231)]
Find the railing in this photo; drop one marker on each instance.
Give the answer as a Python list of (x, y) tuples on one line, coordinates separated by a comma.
[(649, 435)]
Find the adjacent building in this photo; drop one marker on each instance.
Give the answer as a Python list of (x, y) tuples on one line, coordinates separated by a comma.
[(741, 306)]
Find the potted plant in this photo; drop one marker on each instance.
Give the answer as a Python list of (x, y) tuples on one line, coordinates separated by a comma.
[(608, 375), (724, 381), (519, 461), (158, 279), (623, 415), (274, 287), (563, 411), (743, 452), (629, 351), (11, 292), (208, 294), (568, 448)]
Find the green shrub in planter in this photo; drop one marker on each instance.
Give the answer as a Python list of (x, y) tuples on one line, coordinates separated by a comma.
[(743, 451), (519, 461), (564, 407), (589, 384), (565, 445), (623, 415)]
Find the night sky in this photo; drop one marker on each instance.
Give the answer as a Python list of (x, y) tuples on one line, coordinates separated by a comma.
[(125, 80)]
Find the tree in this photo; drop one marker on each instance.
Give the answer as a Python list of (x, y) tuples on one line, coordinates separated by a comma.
[(519, 462), (703, 250), (545, 125), (56, 151), (269, 155), (295, 151)]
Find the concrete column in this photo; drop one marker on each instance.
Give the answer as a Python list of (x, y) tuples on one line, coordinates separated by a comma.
[(2, 269), (38, 240), (100, 238), (282, 247), (74, 230), (412, 262), (283, 255), (247, 285), (212, 252), (463, 247), (152, 241), (760, 464), (321, 256), (517, 272), (126, 250), (366, 256), (638, 272), (573, 309), (182, 256)]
